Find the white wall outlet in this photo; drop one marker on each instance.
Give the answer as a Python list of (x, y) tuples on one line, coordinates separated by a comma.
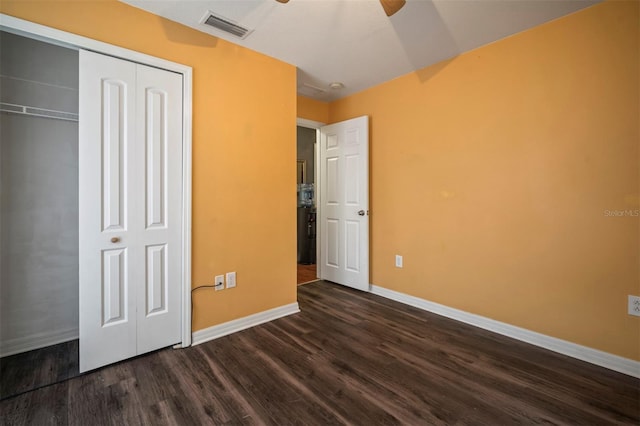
[(634, 305), (231, 279), (398, 261), (219, 282)]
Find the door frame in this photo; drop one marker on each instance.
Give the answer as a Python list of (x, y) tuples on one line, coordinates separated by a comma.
[(315, 125), (62, 38)]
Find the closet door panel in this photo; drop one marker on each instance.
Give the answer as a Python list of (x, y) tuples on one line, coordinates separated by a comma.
[(107, 181), (159, 132)]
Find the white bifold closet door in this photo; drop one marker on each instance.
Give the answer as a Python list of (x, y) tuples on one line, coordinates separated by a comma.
[(130, 197)]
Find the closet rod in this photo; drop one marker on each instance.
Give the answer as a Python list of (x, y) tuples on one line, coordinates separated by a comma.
[(37, 112)]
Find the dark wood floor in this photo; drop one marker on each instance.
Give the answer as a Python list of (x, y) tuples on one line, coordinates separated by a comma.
[(34, 369), (347, 358), (307, 273)]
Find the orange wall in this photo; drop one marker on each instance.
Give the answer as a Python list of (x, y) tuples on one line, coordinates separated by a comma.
[(491, 174), (312, 109), (243, 150)]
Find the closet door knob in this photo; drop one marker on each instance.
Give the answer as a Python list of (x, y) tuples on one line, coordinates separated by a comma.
[(115, 240)]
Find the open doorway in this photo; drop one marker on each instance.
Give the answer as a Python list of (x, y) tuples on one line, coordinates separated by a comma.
[(340, 199), (306, 205)]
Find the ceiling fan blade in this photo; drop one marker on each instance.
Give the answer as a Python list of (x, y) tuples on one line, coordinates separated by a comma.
[(390, 6), (282, 1)]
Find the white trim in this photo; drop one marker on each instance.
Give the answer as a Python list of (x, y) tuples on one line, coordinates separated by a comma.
[(316, 179), (309, 124), (73, 41), (240, 324), (36, 341), (593, 356), (187, 87)]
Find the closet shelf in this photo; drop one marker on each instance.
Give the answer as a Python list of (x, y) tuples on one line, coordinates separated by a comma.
[(37, 112)]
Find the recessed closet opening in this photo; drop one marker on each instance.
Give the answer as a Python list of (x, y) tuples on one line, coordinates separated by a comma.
[(89, 186), (38, 210)]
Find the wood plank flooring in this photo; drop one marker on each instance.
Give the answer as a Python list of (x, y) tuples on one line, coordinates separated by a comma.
[(307, 273), (347, 358), (41, 367)]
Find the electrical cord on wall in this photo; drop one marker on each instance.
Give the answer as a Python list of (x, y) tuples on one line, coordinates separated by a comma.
[(198, 288), (203, 286)]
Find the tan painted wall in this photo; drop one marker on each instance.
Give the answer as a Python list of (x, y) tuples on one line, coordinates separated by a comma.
[(491, 174), (243, 150), (312, 109)]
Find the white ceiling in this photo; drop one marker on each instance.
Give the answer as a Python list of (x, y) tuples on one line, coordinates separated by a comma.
[(354, 42)]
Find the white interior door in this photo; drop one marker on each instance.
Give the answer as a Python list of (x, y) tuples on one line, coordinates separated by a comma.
[(129, 206), (344, 203)]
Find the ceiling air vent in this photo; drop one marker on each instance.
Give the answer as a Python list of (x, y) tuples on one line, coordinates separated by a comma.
[(224, 24)]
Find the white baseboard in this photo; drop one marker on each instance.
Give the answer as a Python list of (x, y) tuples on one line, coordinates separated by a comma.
[(593, 356), (36, 341), (240, 324)]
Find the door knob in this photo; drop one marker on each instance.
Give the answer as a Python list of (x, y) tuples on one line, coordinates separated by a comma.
[(115, 240), (361, 212)]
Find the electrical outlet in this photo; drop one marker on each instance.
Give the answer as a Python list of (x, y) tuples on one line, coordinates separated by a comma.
[(398, 261), (219, 282), (231, 279), (634, 305)]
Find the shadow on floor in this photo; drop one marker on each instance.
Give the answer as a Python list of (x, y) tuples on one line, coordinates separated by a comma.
[(41, 367)]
